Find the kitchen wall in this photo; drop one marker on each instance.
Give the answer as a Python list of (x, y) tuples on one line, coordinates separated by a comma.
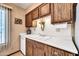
[(57, 30), (15, 29)]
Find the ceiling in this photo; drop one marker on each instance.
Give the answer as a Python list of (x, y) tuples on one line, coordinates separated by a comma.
[(23, 5)]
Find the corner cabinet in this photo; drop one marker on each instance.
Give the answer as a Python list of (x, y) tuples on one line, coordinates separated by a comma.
[(34, 48), (44, 9), (61, 12), (28, 20)]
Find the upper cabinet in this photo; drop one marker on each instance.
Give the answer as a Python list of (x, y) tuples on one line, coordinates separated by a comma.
[(61, 12), (35, 13), (40, 11), (28, 20), (44, 9)]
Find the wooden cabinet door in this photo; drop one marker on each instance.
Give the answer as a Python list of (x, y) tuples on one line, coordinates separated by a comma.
[(68, 54), (38, 49), (61, 12), (35, 14), (29, 47), (44, 9), (67, 11), (35, 53), (59, 52), (47, 50), (54, 52), (28, 20), (57, 12)]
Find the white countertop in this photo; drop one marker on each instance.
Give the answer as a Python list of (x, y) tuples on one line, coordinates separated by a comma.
[(59, 42)]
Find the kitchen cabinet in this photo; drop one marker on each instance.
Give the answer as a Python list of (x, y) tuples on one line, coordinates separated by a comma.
[(44, 9), (59, 52), (29, 47), (38, 49), (35, 48), (61, 12), (35, 53), (47, 50), (35, 13), (28, 20)]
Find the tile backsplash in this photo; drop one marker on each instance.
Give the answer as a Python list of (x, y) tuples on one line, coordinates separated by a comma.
[(63, 30)]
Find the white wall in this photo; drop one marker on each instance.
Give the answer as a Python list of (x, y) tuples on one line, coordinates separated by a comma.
[(77, 26), (51, 29)]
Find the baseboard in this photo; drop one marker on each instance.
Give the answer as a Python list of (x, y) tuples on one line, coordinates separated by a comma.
[(22, 53), (13, 53)]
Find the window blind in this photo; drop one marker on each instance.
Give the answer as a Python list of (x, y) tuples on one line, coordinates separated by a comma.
[(5, 24)]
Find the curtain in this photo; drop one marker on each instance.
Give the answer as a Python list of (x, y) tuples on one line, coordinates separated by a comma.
[(5, 20)]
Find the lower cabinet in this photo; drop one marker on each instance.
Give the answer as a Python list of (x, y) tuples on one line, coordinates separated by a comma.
[(38, 49), (47, 50), (34, 48), (29, 47)]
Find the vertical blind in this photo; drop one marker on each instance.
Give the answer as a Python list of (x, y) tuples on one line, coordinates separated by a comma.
[(5, 17)]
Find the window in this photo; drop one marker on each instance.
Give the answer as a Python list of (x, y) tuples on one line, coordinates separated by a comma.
[(2, 26), (5, 17)]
